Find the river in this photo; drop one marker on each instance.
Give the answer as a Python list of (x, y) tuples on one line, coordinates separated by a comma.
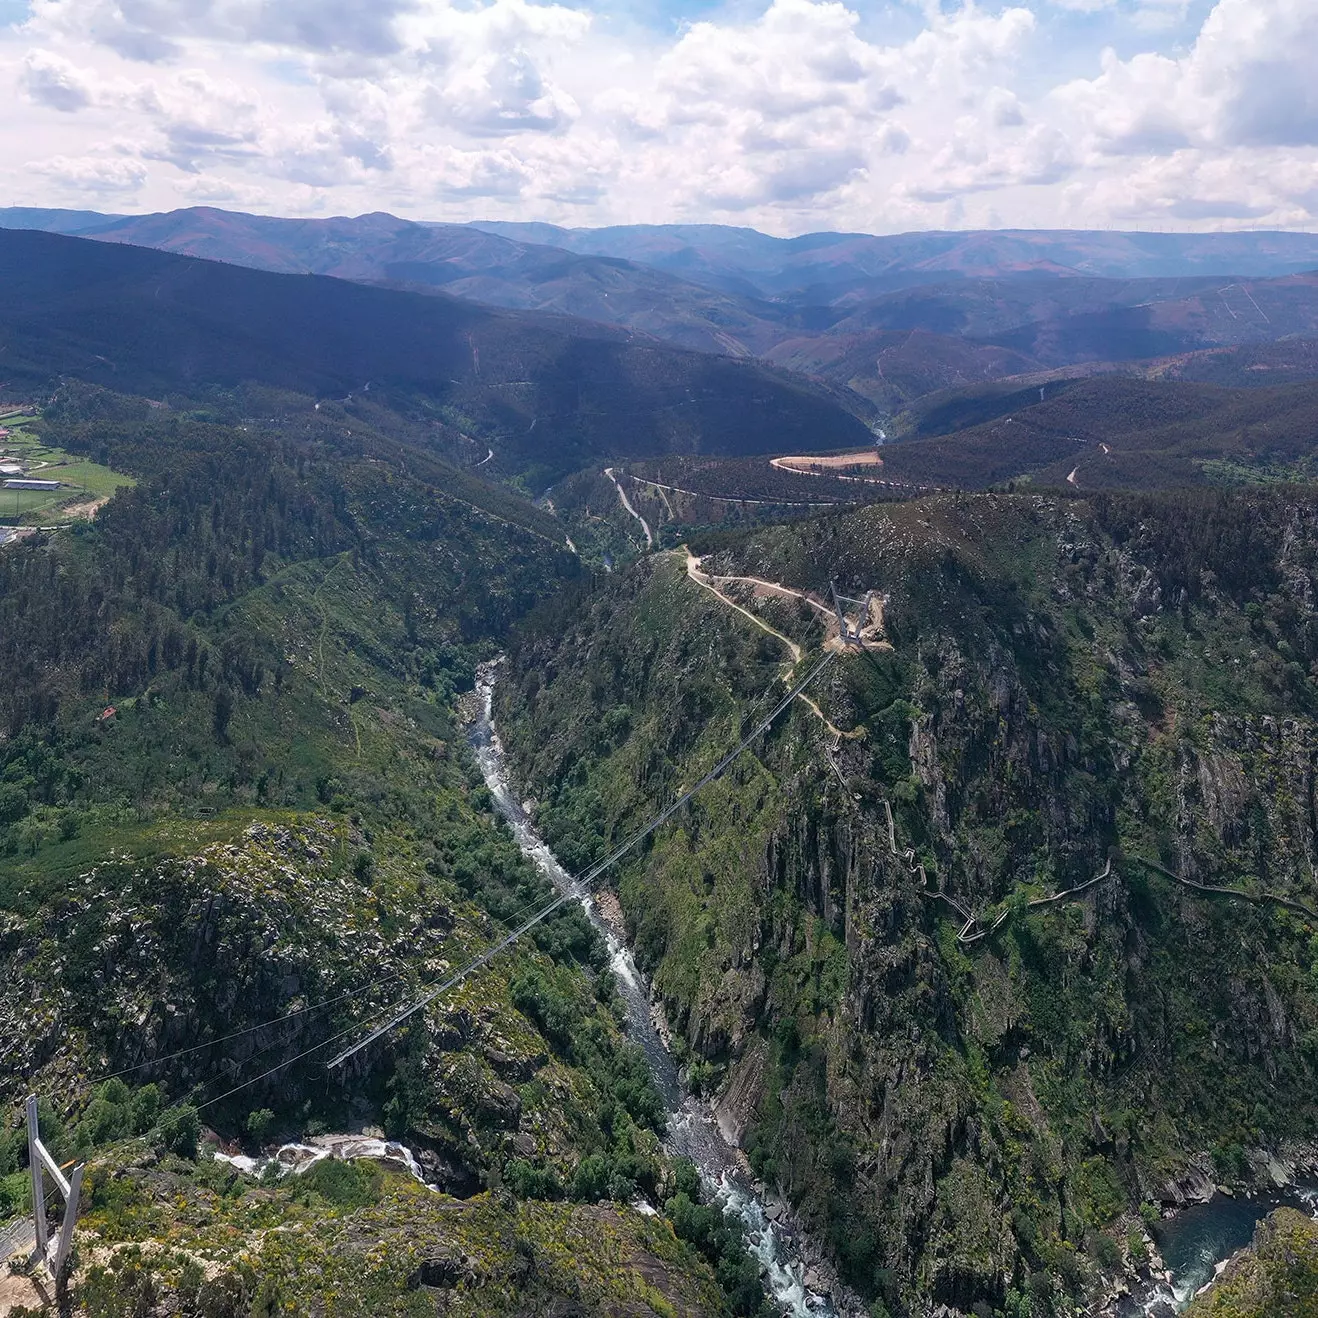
[(1196, 1241), (692, 1130)]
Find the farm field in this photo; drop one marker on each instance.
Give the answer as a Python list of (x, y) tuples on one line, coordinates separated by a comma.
[(84, 485)]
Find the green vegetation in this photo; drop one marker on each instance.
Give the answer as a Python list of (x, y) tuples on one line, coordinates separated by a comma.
[(1277, 1275), (276, 836), (1070, 682), (239, 823), (359, 1238)]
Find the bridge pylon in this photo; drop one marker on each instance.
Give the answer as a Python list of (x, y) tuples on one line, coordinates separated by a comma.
[(847, 634), (53, 1255)]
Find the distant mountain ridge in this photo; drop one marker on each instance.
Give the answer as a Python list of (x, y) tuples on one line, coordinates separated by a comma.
[(458, 259), (818, 264), (546, 394), (887, 318)]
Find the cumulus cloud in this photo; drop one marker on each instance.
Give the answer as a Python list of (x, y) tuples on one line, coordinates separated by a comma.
[(97, 175), (787, 114), (54, 82), (152, 30), (1247, 81)]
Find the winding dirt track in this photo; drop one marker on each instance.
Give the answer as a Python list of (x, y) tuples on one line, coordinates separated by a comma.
[(711, 584), (707, 581), (627, 504)]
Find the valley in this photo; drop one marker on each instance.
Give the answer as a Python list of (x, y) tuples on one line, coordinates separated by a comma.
[(429, 721)]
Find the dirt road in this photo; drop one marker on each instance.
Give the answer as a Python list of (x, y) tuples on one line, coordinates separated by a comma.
[(627, 503)]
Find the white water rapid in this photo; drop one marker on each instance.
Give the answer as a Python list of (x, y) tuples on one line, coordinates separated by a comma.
[(692, 1131)]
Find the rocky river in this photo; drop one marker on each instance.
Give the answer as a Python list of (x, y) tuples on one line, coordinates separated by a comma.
[(693, 1131)]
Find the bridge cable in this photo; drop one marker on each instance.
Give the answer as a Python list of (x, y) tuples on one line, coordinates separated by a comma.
[(578, 888), (581, 887)]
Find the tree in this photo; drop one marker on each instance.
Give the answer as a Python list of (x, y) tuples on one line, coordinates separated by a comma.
[(222, 712), (180, 1129), (259, 1124), (13, 803)]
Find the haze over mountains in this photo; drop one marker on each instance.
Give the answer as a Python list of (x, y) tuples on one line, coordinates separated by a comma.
[(825, 266), (850, 331), (1053, 298)]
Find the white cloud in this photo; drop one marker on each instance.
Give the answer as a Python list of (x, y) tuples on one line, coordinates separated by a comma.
[(1248, 80), (52, 81), (151, 30), (97, 175), (790, 114)]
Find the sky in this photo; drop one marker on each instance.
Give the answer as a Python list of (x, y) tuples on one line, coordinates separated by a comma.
[(789, 116)]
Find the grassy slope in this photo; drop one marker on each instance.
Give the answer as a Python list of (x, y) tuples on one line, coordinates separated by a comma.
[(1069, 682)]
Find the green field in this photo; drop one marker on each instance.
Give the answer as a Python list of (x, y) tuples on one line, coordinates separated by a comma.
[(80, 480)]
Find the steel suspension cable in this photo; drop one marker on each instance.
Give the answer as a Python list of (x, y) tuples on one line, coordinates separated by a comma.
[(582, 886)]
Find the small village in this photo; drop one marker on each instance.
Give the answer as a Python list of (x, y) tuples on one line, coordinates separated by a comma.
[(40, 486)]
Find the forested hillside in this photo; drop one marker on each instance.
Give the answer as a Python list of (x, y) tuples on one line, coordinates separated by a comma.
[(239, 823), (544, 394), (889, 318), (1000, 942), (986, 965), (1108, 431)]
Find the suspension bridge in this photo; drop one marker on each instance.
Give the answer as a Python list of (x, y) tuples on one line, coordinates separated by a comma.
[(19, 1236)]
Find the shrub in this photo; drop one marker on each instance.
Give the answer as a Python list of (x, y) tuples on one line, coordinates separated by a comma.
[(528, 1181), (144, 1108), (591, 1179), (179, 1129), (259, 1124), (347, 1184)]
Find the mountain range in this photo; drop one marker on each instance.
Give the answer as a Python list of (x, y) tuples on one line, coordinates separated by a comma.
[(1053, 298), (990, 953), (649, 341), (544, 394)]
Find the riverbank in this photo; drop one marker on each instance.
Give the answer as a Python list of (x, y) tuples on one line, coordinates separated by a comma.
[(1205, 1226), (789, 1263)]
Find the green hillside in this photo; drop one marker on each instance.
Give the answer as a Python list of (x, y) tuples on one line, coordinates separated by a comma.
[(545, 394), (238, 824), (970, 1090)]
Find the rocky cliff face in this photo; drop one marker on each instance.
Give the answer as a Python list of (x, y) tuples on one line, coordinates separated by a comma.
[(971, 1120)]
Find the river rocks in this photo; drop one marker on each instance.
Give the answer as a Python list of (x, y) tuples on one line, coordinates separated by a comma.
[(1290, 1165), (1197, 1184), (451, 1172), (816, 1282), (444, 1269)]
